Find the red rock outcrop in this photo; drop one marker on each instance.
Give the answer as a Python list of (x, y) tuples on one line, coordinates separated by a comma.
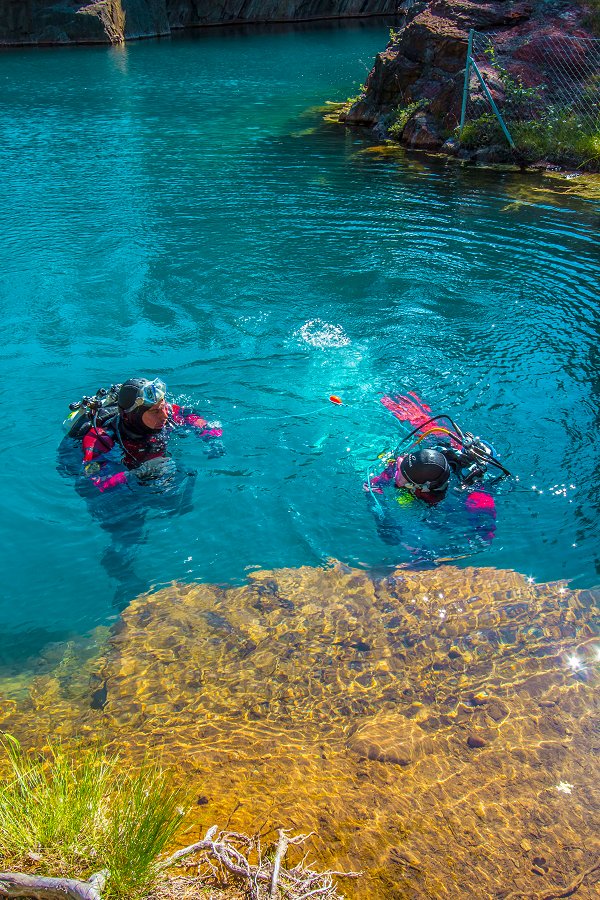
[(422, 68)]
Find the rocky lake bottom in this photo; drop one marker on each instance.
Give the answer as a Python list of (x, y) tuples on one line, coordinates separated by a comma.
[(435, 729)]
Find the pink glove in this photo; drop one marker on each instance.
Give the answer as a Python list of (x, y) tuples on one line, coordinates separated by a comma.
[(106, 484)]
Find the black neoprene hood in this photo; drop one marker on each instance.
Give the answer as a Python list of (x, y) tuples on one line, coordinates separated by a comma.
[(129, 392), (426, 467)]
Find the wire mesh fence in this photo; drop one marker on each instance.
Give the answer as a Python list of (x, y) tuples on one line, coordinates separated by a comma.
[(539, 95)]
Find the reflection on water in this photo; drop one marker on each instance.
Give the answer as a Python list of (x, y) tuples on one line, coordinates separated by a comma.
[(435, 729)]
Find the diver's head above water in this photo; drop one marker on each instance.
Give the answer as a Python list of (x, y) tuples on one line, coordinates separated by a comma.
[(142, 405), (423, 471)]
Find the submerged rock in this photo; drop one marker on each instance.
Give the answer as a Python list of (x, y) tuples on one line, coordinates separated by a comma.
[(421, 723), (390, 738)]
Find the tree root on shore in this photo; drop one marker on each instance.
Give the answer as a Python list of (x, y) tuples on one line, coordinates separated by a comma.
[(266, 880), (219, 855), (15, 884)]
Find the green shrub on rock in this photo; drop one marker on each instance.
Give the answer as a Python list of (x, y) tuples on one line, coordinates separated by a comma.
[(481, 132), (401, 116), (559, 136)]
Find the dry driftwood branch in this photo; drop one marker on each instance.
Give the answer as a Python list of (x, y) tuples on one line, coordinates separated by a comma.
[(234, 861), (282, 846), (38, 887), (298, 883)]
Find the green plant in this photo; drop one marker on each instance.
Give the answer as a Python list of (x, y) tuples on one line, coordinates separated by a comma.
[(559, 135), (145, 815), (591, 91), (338, 109), (350, 101), (50, 805), (400, 117), (589, 148), (592, 19), (565, 136), (78, 813), (482, 132)]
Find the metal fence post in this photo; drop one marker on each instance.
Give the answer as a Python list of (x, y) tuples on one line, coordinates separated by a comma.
[(463, 111), (495, 109)]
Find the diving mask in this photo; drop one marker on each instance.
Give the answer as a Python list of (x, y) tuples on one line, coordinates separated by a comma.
[(148, 394), (153, 392)]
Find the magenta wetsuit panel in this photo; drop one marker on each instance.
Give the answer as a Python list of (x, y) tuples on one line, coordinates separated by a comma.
[(99, 441)]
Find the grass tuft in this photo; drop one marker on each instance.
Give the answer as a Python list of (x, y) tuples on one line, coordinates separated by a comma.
[(145, 817), (68, 814)]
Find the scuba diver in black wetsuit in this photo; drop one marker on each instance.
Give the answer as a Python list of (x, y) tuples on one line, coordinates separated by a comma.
[(123, 434), (426, 473), (136, 417)]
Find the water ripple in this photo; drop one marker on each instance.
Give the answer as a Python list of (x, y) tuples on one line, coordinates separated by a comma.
[(179, 212)]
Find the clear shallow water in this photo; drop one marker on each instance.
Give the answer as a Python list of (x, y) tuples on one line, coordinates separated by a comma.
[(171, 208)]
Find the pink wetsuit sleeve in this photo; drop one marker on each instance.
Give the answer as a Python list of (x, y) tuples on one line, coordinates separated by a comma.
[(482, 508), (180, 418), (95, 443), (107, 484)]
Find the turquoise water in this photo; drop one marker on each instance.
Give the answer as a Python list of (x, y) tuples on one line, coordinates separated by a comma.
[(173, 208)]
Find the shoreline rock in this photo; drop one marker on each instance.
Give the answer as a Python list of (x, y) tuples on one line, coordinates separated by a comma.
[(414, 91)]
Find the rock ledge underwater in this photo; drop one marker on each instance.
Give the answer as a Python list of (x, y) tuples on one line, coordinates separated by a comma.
[(422, 723)]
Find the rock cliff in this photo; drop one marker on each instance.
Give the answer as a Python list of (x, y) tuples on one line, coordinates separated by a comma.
[(112, 21)]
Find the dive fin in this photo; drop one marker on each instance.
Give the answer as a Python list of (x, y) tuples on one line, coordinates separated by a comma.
[(409, 408)]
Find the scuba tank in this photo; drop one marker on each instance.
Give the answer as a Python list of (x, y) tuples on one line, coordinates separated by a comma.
[(470, 456), (91, 411)]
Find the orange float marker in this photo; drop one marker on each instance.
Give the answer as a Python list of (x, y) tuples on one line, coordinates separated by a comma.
[(335, 399)]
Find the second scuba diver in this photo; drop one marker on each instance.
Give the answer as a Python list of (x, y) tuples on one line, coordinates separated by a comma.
[(123, 434), (426, 472)]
